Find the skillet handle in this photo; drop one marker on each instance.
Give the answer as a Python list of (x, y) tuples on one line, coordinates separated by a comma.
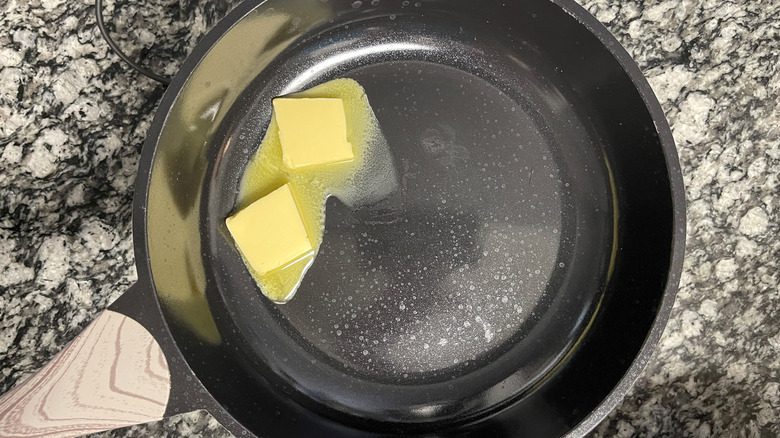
[(112, 375)]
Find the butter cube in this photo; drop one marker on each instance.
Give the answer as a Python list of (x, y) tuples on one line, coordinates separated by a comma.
[(270, 232), (312, 131)]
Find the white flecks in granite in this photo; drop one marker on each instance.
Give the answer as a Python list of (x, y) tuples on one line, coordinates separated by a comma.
[(708, 309), (40, 162), (774, 341), (691, 127), (73, 120), (754, 222), (725, 269), (668, 84), (9, 58), (12, 154)]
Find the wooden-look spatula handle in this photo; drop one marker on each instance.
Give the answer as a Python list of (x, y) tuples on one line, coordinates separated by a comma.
[(112, 375)]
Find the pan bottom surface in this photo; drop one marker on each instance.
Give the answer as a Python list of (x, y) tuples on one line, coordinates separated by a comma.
[(471, 255), (473, 280)]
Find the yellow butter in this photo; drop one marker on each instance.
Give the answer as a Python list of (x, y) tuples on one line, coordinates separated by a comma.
[(270, 232), (312, 131), (367, 178)]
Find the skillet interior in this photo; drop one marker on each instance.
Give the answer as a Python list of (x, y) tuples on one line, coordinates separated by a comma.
[(533, 223)]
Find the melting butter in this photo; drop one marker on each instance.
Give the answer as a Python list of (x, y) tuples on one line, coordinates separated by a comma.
[(368, 178)]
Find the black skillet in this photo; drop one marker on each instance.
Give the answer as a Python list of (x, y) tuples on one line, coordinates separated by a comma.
[(514, 285)]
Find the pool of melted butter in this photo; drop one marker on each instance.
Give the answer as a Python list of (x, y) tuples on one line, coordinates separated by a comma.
[(368, 178)]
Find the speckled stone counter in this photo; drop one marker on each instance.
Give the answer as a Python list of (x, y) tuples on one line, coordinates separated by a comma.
[(73, 118)]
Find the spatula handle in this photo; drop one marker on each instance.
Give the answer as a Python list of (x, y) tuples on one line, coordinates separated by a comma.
[(112, 375)]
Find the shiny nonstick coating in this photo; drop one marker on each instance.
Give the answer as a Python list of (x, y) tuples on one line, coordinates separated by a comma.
[(513, 284)]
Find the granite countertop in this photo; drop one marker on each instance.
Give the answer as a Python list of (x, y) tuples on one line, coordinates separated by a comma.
[(73, 119)]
